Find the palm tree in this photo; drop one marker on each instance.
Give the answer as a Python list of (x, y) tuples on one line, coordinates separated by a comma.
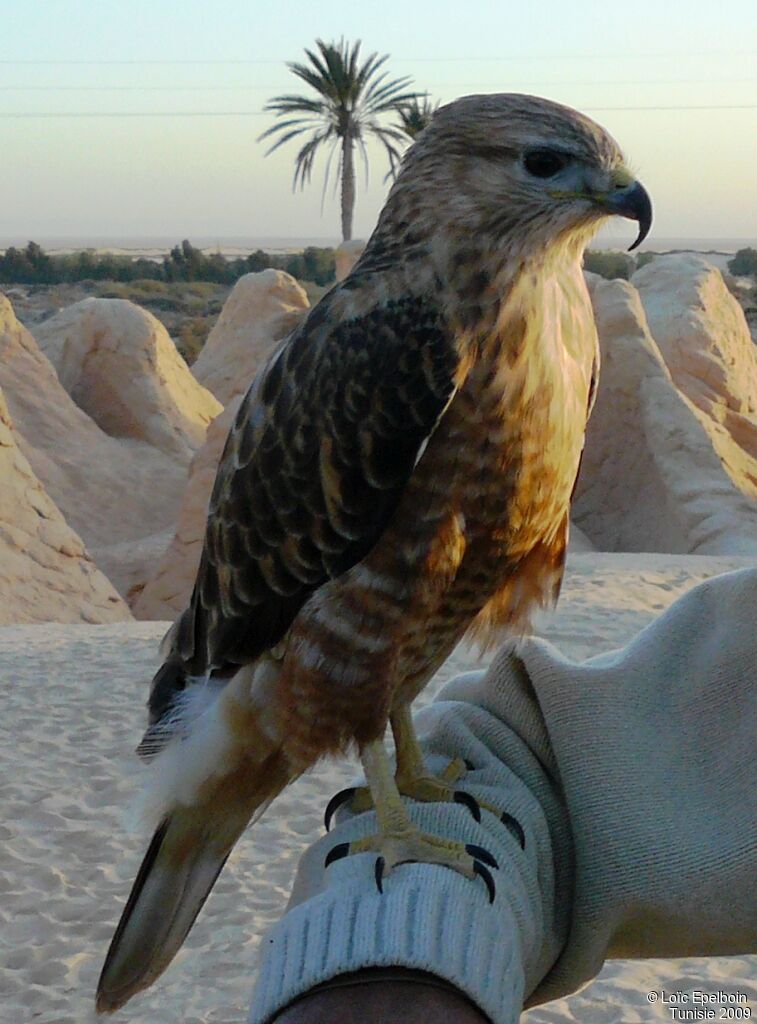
[(349, 99), (414, 116)]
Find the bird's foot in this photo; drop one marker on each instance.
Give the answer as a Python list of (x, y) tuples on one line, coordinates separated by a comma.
[(426, 788), (410, 845)]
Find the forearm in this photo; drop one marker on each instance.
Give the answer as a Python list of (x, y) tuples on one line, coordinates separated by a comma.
[(374, 996)]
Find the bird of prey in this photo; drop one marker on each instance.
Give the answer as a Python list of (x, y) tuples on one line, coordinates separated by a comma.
[(399, 474)]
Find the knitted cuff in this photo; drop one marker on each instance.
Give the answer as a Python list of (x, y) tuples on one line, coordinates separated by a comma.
[(428, 918), (420, 923)]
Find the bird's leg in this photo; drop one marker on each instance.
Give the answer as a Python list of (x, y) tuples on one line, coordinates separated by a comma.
[(398, 840), (413, 778), (415, 781)]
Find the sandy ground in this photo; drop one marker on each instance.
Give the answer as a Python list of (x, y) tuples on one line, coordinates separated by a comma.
[(72, 712)]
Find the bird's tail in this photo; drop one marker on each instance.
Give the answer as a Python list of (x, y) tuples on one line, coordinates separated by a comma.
[(211, 782)]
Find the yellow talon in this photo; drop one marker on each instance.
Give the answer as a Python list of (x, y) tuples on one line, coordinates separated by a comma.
[(399, 841)]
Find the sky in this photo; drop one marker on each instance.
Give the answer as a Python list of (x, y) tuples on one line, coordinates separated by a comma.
[(675, 81)]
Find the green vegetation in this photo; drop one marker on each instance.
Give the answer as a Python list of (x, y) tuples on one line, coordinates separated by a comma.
[(348, 99), (645, 257), (185, 291), (32, 265), (192, 335), (744, 263), (609, 264), (415, 116)]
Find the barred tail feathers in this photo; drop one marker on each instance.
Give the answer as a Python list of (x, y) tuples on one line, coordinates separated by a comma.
[(210, 782)]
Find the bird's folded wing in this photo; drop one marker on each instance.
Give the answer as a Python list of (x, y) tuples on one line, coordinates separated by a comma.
[(323, 445)]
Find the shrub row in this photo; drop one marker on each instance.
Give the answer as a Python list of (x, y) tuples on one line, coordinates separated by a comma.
[(32, 265)]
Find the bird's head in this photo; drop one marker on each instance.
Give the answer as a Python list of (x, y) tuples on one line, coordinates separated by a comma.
[(519, 172)]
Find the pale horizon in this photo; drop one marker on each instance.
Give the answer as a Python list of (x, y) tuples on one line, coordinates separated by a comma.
[(137, 123), (231, 244)]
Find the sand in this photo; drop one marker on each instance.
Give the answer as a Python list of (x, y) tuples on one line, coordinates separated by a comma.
[(73, 710)]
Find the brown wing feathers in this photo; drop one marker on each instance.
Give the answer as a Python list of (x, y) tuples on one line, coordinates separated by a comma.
[(321, 449)]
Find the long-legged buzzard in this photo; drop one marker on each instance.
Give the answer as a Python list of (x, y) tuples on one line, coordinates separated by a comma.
[(399, 474)]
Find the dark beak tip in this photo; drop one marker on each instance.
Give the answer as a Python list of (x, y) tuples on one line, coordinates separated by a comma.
[(639, 239), (638, 206)]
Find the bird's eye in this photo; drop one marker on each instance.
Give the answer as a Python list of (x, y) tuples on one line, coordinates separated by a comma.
[(544, 163)]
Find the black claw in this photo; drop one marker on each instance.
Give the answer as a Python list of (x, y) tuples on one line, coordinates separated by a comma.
[(378, 874), (470, 802), (336, 853), (515, 827), (335, 803), (479, 853), (483, 872)]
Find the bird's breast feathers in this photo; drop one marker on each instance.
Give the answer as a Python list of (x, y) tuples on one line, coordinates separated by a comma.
[(526, 399), (520, 420)]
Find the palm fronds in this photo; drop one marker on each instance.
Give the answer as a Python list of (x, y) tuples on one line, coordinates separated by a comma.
[(350, 98)]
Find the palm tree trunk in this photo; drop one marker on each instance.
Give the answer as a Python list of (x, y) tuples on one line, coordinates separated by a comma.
[(348, 185)]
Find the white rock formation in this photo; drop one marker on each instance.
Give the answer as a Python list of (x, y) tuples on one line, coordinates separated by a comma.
[(120, 366), (170, 585), (109, 491), (347, 255), (45, 573), (704, 338), (262, 309), (652, 478)]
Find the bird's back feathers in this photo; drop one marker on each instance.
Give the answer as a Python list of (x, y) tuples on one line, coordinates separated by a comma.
[(322, 447)]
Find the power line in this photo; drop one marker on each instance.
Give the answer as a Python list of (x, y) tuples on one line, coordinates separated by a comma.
[(140, 63), (704, 106), (430, 85), (419, 60), (262, 113)]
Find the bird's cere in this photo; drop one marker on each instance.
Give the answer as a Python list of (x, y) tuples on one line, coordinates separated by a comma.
[(620, 194)]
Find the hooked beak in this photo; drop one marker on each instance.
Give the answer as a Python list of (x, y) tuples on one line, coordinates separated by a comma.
[(624, 197), (628, 198)]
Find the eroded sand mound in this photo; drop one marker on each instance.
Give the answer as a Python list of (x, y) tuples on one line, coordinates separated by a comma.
[(347, 255), (110, 491), (169, 586), (653, 476), (262, 309), (670, 462), (45, 573), (704, 339), (120, 366)]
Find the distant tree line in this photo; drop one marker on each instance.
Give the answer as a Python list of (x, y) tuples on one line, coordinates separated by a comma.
[(612, 264), (744, 263), (32, 265)]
